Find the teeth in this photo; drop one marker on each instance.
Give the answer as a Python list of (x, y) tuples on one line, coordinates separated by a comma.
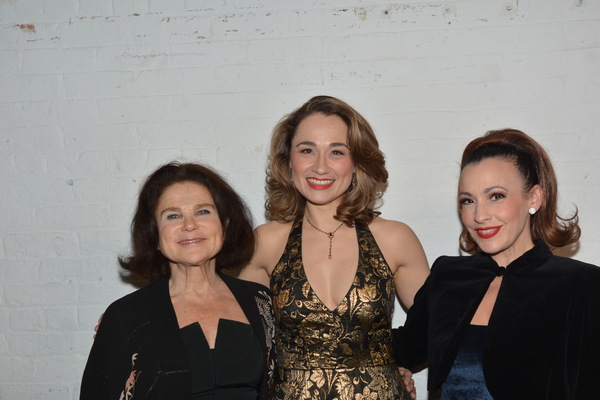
[(320, 181), (487, 231), (190, 241)]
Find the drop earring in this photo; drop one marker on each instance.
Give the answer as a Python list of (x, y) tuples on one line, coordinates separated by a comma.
[(353, 182)]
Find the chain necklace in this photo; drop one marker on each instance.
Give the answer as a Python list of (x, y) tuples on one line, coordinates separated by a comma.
[(329, 234)]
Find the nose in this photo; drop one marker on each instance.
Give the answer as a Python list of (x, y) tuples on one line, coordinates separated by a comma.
[(320, 166), (481, 214), (189, 223)]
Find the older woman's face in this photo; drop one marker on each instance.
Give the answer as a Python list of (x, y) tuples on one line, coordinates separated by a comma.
[(189, 229), (494, 208)]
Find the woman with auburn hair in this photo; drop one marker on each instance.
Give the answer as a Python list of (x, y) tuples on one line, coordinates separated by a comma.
[(334, 265), (511, 321)]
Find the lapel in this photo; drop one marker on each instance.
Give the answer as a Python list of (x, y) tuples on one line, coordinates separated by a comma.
[(247, 302), (167, 344), (166, 340)]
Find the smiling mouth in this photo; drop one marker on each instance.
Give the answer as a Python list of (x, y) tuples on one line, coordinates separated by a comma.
[(320, 184), (486, 233), (192, 241)]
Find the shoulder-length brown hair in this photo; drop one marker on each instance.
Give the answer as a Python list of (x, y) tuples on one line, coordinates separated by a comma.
[(535, 168), (284, 203), (238, 240)]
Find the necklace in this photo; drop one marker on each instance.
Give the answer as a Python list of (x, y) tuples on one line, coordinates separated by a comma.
[(329, 234)]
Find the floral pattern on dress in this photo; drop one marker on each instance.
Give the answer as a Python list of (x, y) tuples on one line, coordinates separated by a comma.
[(344, 354)]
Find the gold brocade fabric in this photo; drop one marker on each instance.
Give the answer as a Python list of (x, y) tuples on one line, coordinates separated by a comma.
[(344, 354)]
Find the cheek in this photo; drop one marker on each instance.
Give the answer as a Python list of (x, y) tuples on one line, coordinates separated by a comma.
[(512, 212), (163, 236), (464, 216), (296, 167), (349, 168), (296, 164)]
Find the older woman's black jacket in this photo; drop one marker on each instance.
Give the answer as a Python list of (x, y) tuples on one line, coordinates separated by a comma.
[(543, 337), (139, 353)]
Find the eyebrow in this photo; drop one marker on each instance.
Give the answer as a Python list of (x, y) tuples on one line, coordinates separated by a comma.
[(486, 190), (177, 209), (492, 188), (334, 144), (168, 209)]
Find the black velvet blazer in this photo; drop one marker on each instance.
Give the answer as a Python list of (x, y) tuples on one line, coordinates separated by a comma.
[(139, 353), (542, 339)]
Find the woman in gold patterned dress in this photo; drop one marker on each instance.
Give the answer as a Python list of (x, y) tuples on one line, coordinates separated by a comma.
[(334, 265)]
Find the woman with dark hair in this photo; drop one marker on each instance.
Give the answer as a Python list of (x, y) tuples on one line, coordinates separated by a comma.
[(193, 332), (334, 265), (511, 321)]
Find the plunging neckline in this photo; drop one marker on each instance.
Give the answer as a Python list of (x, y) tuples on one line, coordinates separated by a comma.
[(310, 286)]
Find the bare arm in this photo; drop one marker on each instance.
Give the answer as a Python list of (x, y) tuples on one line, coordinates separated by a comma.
[(405, 256)]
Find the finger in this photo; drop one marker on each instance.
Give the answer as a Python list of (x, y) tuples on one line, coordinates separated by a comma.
[(97, 326)]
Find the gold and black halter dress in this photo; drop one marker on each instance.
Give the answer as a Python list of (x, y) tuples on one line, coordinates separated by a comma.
[(344, 354)]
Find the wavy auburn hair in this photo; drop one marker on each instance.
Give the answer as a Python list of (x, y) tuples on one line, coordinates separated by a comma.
[(535, 168), (236, 221), (284, 203)]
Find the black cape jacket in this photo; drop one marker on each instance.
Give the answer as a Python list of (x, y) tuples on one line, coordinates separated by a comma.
[(542, 339), (138, 352)]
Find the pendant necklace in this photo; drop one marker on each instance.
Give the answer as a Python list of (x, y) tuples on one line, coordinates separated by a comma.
[(329, 234)]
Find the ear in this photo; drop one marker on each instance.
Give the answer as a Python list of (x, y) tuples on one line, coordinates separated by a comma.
[(536, 197)]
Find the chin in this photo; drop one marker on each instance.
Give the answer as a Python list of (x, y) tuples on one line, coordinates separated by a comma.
[(488, 248)]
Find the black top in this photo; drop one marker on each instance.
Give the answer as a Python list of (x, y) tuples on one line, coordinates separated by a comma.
[(139, 351), (542, 336), (466, 380), (233, 370)]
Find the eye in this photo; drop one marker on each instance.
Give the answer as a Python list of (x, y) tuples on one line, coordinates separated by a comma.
[(465, 201), (497, 196), (172, 216), (305, 150), (338, 152), (203, 211)]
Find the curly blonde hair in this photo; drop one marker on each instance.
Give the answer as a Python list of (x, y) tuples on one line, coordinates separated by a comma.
[(284, 203)]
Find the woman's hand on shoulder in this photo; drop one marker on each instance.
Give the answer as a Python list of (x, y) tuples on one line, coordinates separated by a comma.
[(270, 244), (405, 255)]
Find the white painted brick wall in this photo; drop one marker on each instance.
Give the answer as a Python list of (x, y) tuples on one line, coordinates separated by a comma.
[(96, 94)]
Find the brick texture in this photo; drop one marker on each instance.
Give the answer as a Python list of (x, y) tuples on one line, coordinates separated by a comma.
[(96, 94)]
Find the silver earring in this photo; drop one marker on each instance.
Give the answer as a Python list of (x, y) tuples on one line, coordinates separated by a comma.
[(532, 211)]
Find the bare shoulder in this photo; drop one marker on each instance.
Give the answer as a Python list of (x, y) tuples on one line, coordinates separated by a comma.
[(390, 230), (271, 238), (397, 241), (270, 244), (273, 228)]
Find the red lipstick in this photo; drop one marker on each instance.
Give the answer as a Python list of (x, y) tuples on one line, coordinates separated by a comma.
[(486, 233), (319, 184)]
